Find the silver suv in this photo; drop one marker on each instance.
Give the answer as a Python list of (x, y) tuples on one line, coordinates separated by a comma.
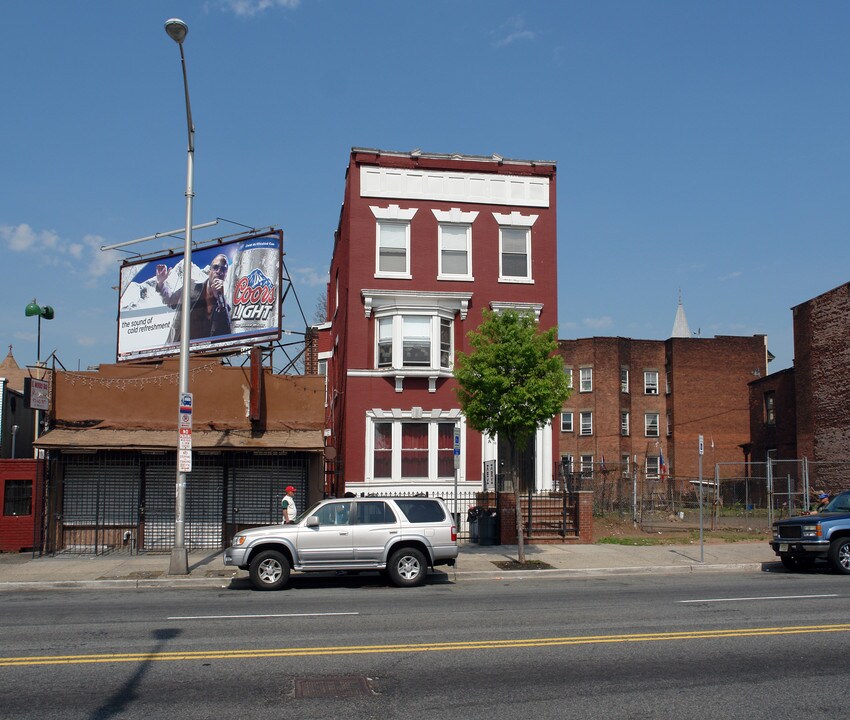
[(401, 536)]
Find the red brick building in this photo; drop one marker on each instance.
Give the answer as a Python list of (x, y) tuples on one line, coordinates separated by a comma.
[(804, 411), (650, 400), (425, 243)]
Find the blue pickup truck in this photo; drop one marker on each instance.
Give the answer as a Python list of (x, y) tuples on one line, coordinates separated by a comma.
[(801, 541)]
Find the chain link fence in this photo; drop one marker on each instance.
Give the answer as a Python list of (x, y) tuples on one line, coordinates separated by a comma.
[(738, 497)]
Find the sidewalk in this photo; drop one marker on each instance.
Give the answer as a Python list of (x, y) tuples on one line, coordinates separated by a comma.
[(206, 569)]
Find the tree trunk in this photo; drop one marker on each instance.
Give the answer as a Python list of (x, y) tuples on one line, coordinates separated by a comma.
[(520, 535)]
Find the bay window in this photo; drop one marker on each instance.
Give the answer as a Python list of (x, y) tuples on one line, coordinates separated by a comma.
[(414, 341)]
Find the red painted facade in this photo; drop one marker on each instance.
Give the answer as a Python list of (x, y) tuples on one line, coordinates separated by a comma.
[(361, 394)]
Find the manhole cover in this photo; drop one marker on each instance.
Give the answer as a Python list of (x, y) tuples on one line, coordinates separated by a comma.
[(331, 686)]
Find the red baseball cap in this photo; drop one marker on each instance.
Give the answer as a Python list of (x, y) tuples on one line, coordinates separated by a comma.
[(290, 489)]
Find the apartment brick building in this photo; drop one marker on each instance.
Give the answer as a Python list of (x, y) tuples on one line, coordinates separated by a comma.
[(804, 411), (649, 401), (425, 243)]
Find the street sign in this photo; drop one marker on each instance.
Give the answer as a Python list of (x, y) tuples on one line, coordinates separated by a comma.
[(701, 445), (457, 448), (489, 475), (184, 460)]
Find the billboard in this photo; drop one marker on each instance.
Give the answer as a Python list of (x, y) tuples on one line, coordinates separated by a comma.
[(235, 298)]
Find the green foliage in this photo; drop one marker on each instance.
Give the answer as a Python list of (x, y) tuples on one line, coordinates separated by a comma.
[(513, 381)]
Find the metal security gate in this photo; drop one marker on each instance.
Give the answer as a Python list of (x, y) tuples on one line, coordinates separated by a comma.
[(100, 505), (254, 490), (110, 501), (203, 510)]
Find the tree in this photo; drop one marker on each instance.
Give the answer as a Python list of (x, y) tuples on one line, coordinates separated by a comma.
[(511, 384)]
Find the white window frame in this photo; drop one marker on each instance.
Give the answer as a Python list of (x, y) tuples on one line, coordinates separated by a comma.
[(624, 423), (649, 422), (567, 422), (625, 460), (433, 423), (585, 379), (454, 218), (624, 379), (653, 466), (650, 382), (396, 320), (516, 221), (393, 215), (568, 371), (586, 465), (586, 422)]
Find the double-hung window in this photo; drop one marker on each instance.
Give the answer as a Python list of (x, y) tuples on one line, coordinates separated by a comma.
[(651, 424), (392, 247), (624, 423), (624, 380), (416, 341), (652, 466), (455, 244), (566, 422), (568, 371), (515, 247), (770, 408), (586, 419), (650, 382), (585, 379), (587, 466)]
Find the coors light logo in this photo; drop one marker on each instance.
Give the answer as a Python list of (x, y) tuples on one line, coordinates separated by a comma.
[(254, 291)]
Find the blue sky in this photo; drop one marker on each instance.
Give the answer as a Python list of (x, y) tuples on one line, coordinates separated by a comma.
[(701, 146)]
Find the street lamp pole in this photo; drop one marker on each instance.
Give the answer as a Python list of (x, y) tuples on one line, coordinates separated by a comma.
[(177, 31)]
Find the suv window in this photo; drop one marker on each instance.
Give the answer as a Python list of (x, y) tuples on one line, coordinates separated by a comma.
[(334, 513), (421, 511), (372, 512)]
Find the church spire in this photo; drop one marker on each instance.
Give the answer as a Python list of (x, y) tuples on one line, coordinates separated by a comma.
[(680, 324)]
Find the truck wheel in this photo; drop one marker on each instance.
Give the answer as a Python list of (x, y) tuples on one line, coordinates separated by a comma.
[(407, 567), (789, 562), (839, 555), (269, 570)]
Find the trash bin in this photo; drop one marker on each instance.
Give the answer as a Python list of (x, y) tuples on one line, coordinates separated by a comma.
[(488, 527), (473, 515)]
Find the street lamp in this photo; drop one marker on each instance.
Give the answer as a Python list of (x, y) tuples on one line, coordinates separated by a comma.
[(45, 312), (177, 31)]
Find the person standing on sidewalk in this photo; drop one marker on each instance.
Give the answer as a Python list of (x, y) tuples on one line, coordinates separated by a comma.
[(290, 511)]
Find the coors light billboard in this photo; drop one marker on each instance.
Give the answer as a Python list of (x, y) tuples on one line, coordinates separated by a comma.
[(234, 298)]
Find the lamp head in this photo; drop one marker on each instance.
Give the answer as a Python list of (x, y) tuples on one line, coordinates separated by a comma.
[(176, 29), (47, 312), (32, 309)]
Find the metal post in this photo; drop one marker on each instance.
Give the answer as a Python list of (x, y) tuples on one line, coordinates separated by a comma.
[(701, 542), (179, 565)]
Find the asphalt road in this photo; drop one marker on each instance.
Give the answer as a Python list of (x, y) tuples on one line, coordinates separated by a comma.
[(765, 645)]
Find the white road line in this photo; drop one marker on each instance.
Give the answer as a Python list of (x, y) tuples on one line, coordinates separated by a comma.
[(766, 597), (240, 617)]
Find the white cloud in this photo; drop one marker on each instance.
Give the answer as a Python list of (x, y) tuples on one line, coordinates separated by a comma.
[(102, 262), (730, 276), (512, 31), (600, 322), (22, 237), (249, 8), (310, 277), (55, 250)]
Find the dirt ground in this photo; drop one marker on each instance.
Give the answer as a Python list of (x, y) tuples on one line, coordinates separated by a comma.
[(613, 529)]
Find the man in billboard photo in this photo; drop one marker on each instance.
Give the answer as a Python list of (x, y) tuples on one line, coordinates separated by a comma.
[(209, 313)]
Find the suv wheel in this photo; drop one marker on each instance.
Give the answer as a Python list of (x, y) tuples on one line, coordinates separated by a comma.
[(269, 570), (407, 567), (839, 555)]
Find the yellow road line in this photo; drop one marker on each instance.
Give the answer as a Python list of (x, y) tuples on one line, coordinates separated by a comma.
[(418, 647)]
